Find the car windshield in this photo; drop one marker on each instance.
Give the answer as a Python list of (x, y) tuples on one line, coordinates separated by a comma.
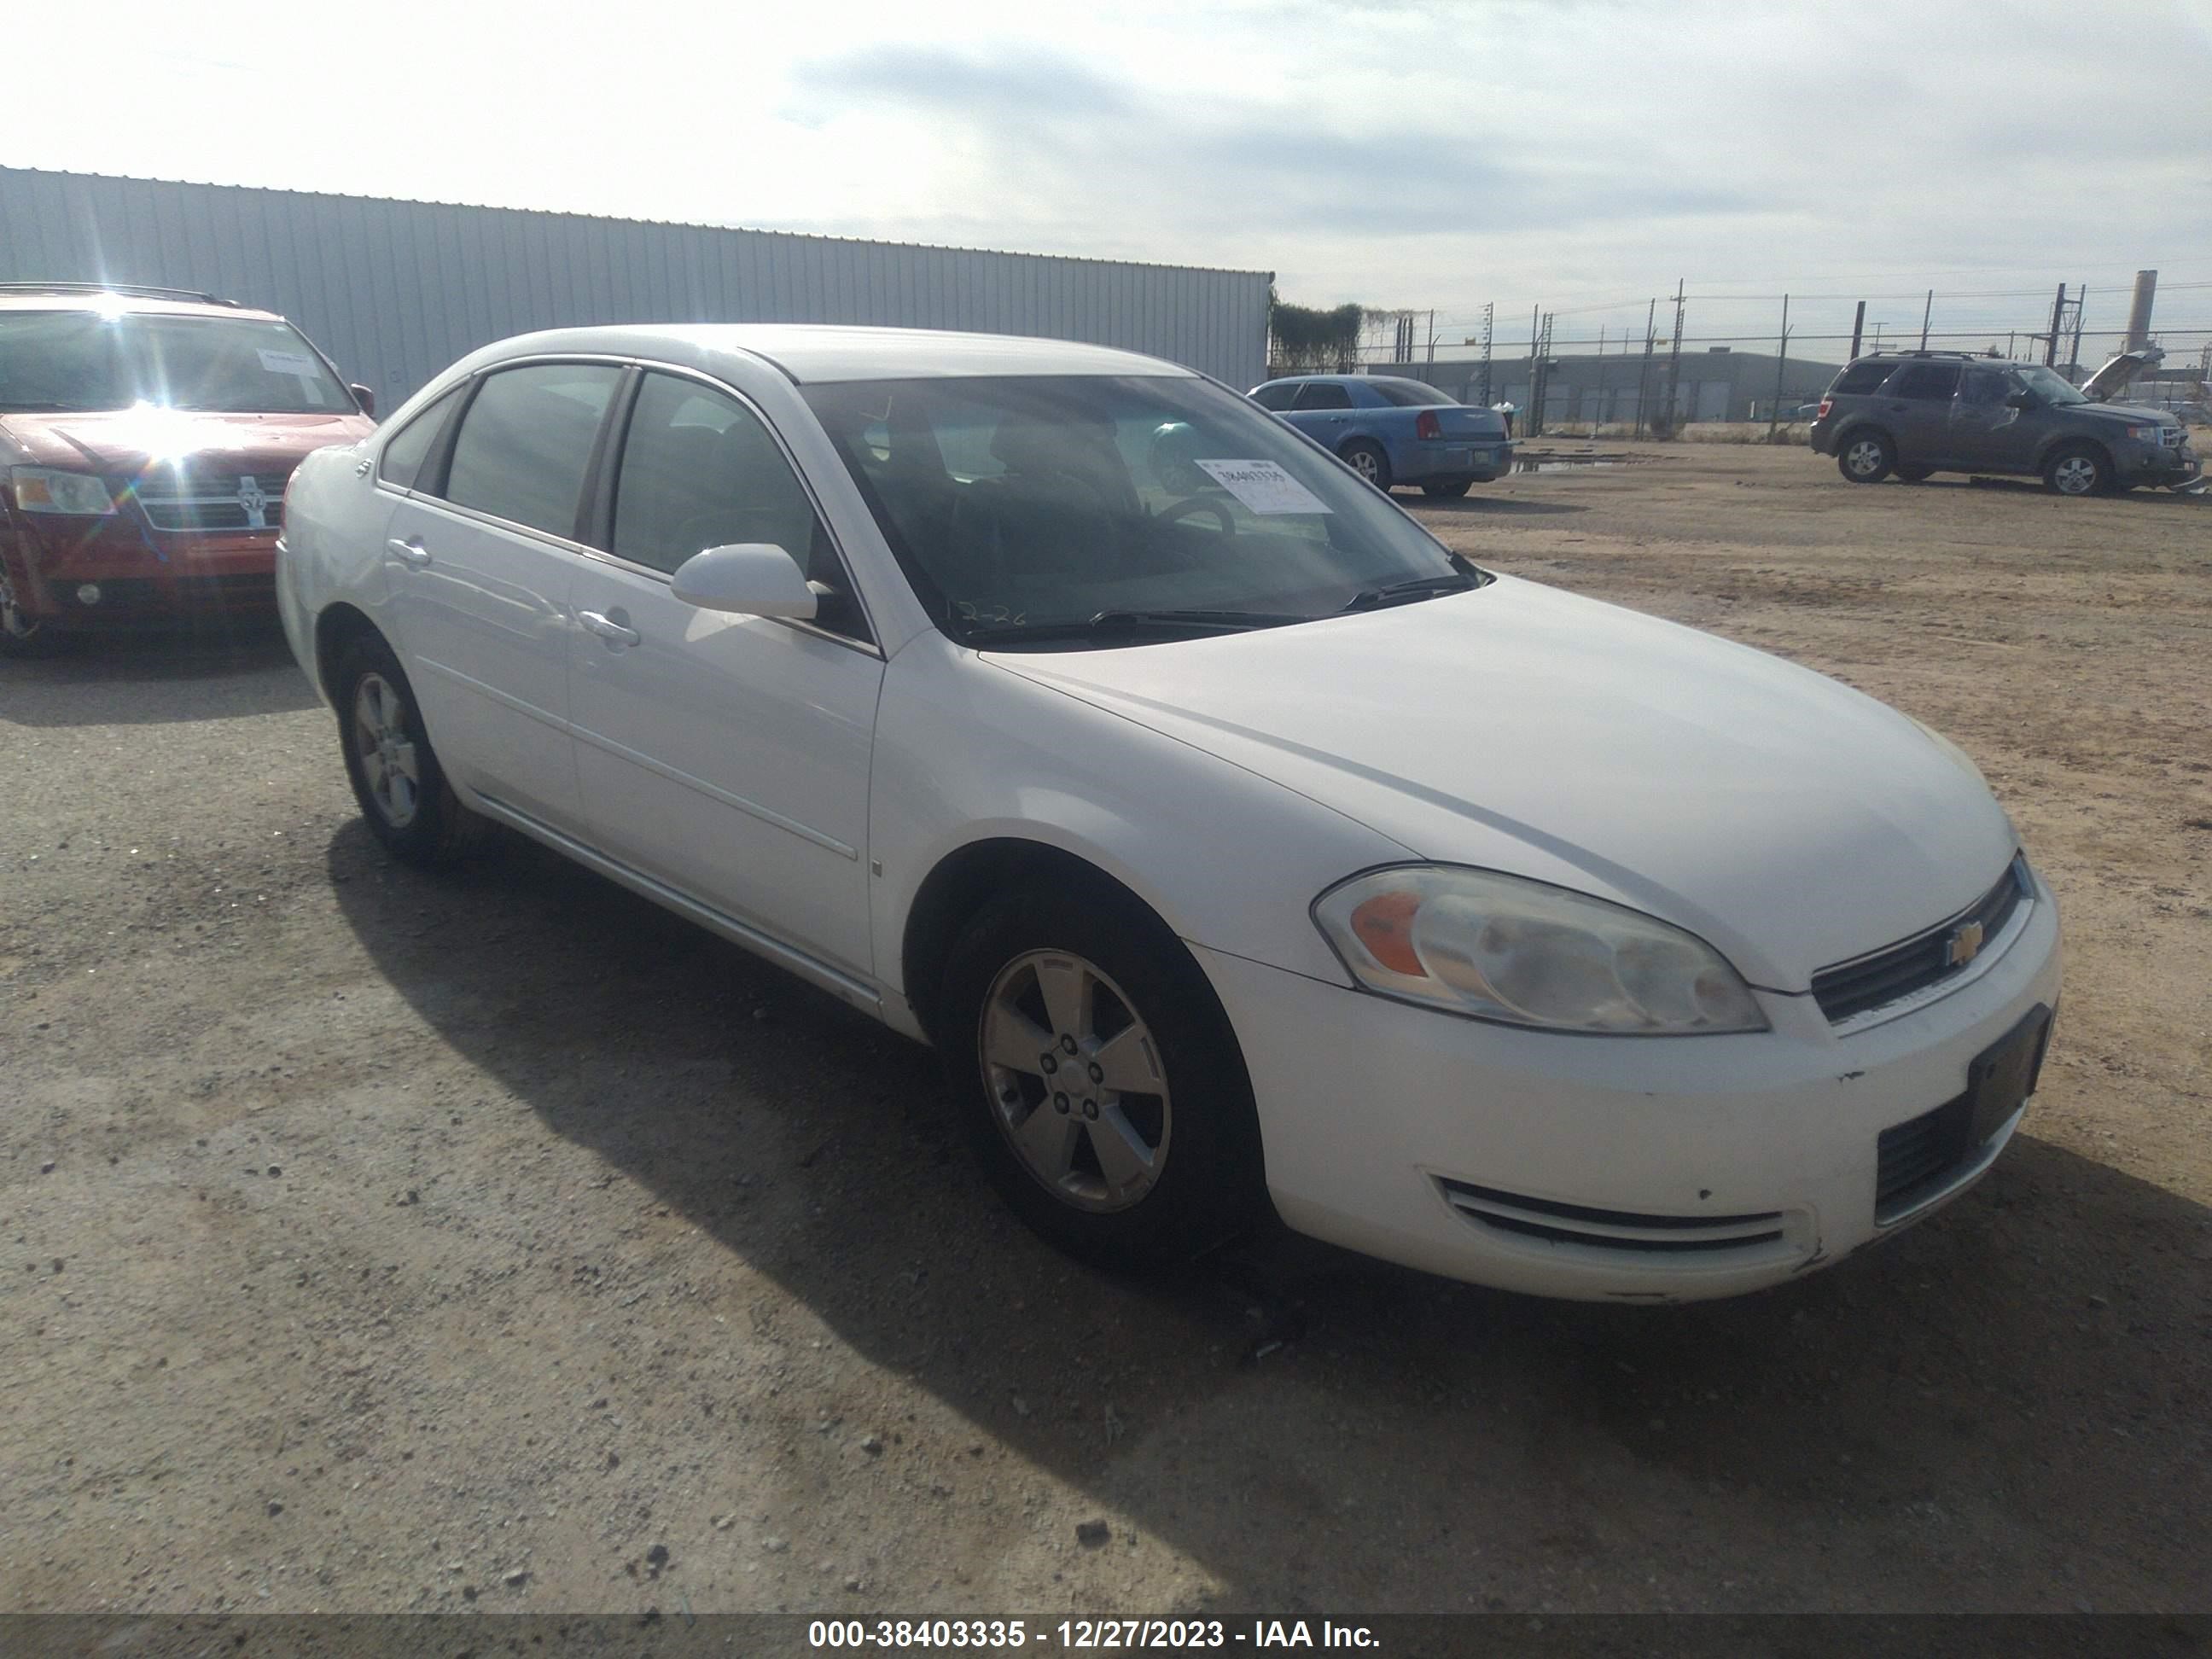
[(96, 360), (2049, 385), (1039, 502), (1410, 394)]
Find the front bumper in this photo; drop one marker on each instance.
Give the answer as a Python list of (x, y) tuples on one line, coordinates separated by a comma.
[(118, 572), (2157, 465), (1379, 1118)]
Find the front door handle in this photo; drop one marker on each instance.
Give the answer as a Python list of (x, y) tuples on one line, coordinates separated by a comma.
[(608, 629), (409, 552)]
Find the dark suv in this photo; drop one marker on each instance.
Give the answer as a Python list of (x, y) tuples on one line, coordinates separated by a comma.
[(1918, 412)]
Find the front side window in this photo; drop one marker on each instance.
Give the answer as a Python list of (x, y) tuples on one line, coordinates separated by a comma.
[(1046, 500), (1926, 382), (525, 440), (1983, 387), (1279, 397), (1323, 394), (405, 451), (87, 359), (2049, 385), (699, 469)]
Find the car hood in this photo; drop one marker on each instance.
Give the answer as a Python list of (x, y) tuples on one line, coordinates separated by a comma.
[(2119, 372), (2120, 414), (131, 439), (1788, 820)]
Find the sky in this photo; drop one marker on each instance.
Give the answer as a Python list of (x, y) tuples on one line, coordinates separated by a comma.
[(1578, 155)]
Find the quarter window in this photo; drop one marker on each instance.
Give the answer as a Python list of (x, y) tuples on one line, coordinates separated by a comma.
[(1323, 394), (1926, 382), (1276, 397), (525, 440), (405, 453), (1860, 379)]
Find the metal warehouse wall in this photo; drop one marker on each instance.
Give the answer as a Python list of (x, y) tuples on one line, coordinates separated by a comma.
[(395, 290)]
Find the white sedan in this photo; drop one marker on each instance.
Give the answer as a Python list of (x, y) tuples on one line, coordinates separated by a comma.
[(1233, 842)]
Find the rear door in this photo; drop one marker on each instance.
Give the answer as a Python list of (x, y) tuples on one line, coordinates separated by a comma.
[(726, 756), (1916, 406), (1322, 411), (480, 555)]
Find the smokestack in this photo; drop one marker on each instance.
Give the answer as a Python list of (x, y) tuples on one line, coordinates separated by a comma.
[(2139, 312)]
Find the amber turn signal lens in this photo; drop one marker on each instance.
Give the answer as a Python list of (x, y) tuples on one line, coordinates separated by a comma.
[(1384, 924)]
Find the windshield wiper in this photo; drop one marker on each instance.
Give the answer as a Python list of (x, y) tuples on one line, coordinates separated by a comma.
[(1367, 598), (1106, 622)]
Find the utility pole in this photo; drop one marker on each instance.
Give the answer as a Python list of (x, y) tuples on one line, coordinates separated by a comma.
[(1858, 331), (2057, 321), (1536, 328), (1432, 337), (1781, 362), (1643, 373), (1489, 316), (1674, 355), (1926, 311), (1597, 403), (1877, 337), (1539, 386), (2074, 353)]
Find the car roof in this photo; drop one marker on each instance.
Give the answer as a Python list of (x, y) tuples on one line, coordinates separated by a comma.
[(123, 297), (819, 353)]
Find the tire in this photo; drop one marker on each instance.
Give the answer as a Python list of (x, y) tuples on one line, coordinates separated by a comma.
[(1915, 474), (2078, 469), (1369, 461), (1866, 457), (1188, 1173), (1446, 492), (23, 635), (418, 817)]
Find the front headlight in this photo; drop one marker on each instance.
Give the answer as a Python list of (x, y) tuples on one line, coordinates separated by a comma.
[(1524, 952), (42, 490)]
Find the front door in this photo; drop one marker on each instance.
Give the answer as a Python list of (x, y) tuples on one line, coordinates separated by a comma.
[(726, 756), (479, 576), (1986, 430)]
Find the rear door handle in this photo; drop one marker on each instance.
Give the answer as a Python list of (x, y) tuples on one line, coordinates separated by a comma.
[(409, 552), (608, 629)]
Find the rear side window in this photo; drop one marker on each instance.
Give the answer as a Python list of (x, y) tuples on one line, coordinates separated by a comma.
[(1926, 382), (1859, 379), (1275, 397), (525, 440), (410, 445), (1412, 394), (1323, 394)]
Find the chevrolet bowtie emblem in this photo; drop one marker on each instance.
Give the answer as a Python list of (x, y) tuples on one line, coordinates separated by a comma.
[(1964, 944)]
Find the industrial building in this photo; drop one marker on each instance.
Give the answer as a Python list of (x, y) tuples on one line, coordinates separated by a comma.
[(395, 290)]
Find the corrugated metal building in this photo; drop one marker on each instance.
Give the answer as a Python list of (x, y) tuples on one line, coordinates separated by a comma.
[(395, 290)]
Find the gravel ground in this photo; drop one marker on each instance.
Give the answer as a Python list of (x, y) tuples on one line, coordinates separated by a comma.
[(383, 1241)]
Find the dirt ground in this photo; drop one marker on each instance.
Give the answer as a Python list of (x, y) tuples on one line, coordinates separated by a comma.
[(389, 1242)]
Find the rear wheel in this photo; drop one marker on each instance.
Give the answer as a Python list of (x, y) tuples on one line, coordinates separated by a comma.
[(1369, 461), (1097, 1078), (2077, 469), (1444, 492), (1866, 457), (402, 789)]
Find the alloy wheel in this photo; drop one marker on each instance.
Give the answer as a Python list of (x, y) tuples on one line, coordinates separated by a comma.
[(387, 754), (1075, 1079), (13, 620), (1864, 458), (1365, 463), (2075, 476)]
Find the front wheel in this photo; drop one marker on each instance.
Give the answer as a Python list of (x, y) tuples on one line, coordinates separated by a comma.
[(1097, 1077), (2077, 469), (395, 777), (1445, 492), (1866, 457), (1369, 461), (23, 635)]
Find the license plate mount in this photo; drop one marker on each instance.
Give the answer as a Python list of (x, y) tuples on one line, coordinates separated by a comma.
[(2003, 1075)]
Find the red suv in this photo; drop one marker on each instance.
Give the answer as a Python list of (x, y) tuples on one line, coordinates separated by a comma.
[(146, 437)]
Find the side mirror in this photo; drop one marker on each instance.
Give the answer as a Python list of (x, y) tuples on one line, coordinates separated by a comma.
[(2020, 400), (747, 579), (366, 399)]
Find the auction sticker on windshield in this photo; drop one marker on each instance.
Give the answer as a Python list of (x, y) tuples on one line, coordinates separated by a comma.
[(288, 362), (1263, 487)]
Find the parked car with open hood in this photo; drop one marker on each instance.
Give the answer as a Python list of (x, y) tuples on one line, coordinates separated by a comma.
[(1916, 413), (146, 438), (1233, 841), (1392, 431)]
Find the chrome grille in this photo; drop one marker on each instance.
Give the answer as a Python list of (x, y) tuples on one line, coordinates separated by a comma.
[(1854, 987), (201, 501)]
